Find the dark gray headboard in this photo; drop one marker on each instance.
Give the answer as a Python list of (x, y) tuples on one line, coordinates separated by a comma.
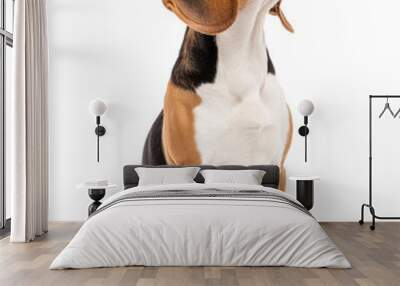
[(271, 178)]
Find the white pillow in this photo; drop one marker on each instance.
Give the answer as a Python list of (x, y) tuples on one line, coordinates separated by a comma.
[(166, 176), (246, 177)]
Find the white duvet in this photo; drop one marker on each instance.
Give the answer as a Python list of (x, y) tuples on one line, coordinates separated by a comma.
[(200, 232)]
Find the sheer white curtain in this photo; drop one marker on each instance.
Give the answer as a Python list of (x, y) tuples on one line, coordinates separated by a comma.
[(28, 160)]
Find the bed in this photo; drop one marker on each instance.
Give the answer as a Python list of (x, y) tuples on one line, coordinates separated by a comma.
[(198, 224)]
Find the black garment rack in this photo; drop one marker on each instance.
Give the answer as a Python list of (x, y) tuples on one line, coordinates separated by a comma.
[(370, 204)]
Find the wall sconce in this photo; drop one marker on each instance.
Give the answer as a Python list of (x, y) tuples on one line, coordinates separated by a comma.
[(97, 107), (305, 108)]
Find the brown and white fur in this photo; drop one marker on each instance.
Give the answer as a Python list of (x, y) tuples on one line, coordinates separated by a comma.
[(223, 104)]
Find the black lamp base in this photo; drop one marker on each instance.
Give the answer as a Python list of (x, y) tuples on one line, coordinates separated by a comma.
[(304, 131), (100, 130)]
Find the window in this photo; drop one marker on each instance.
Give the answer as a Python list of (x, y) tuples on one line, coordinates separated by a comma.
[(6, 44)]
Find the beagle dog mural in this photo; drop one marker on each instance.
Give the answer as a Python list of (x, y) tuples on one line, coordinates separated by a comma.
[(223, 103)]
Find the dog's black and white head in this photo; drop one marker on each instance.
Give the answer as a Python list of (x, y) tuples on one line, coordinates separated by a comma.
[(212, 17)]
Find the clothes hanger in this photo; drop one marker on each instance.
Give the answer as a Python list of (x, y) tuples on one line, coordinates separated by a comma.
[(387, 107), (397, 113)]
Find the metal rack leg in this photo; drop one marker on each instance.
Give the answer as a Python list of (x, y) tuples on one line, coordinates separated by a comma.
[(361, 221), (372, 210)]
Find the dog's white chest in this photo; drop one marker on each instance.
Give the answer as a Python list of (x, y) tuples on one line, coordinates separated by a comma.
[(246, 127), (243, 117)]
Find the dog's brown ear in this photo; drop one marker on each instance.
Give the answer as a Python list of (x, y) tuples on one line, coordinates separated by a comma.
[(277, 11), (205, 16)]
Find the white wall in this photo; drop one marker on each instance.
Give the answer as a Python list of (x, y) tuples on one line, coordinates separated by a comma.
[(123, 51)]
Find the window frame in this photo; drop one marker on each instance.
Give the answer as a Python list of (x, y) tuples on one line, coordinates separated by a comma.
[(6, 39)]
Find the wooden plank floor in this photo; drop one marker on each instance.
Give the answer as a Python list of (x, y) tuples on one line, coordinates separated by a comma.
[(375, 257)]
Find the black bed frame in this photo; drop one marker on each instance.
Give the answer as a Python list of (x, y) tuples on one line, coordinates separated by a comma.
[(271, 178)]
